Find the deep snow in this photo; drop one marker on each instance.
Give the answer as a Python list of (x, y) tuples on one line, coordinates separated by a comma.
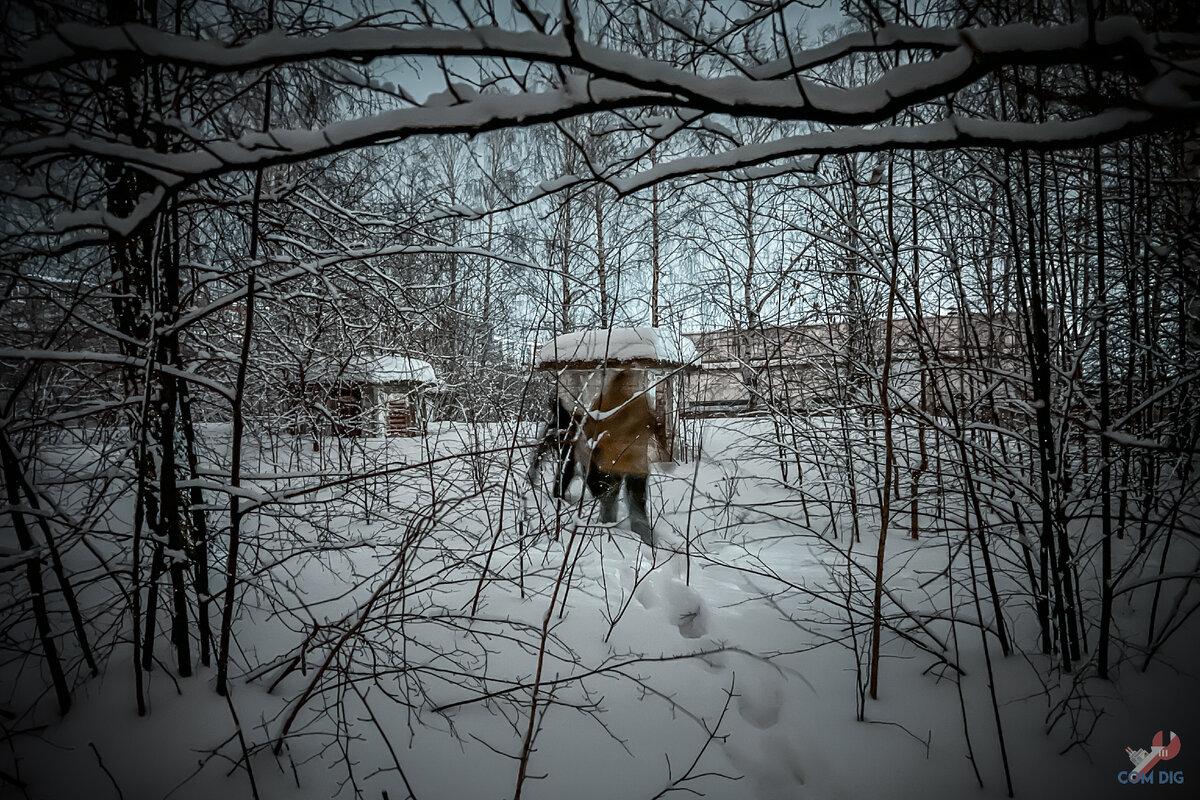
[(765, 608)]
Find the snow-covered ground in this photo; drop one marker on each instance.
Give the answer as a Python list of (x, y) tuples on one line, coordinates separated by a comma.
[(722, 663)]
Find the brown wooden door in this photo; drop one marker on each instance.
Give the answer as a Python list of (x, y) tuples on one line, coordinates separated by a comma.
[(400, 418)]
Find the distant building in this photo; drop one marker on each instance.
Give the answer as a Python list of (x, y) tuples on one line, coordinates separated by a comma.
[(381, 395), (812, 367)]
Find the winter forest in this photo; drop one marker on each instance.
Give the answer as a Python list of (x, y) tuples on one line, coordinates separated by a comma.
[(742, 399)]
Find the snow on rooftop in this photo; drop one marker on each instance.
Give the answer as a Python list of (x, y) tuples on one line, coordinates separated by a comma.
[(641, 343), (390, 368), (393, 368)]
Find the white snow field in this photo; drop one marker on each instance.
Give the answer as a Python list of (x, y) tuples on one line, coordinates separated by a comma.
[(725, 664)]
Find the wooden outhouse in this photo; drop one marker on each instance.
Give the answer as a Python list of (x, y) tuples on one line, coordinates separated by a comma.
[(582, 361), (377, 395)]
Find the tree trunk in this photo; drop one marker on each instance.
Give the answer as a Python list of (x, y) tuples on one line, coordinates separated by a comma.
[(235, 465)]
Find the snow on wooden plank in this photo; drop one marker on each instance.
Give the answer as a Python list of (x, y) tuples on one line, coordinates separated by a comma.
[(377, 369)]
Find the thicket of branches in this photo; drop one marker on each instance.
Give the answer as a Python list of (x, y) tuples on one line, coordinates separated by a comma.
[(205, 200)]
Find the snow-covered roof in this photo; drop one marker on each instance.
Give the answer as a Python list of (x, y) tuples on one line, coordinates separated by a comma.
[(621, 345), (391, 368), (396, 368)]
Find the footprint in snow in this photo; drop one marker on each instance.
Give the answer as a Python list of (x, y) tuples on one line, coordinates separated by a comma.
[(760, 702), (686, 610), (770, 761), (691, 624)]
